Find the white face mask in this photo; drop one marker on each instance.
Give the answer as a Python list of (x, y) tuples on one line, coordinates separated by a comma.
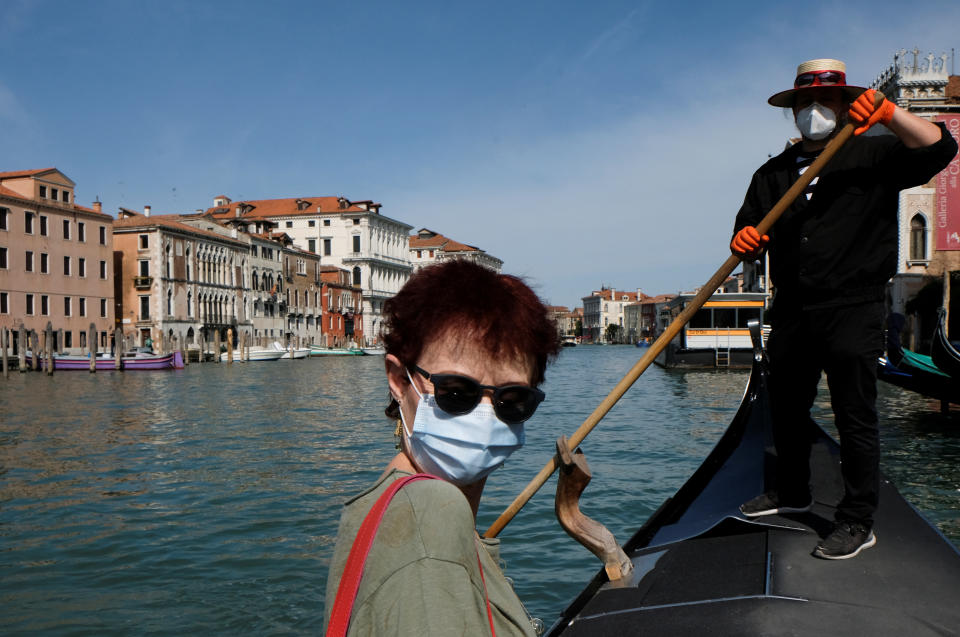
[(460, 449), (816, 121)]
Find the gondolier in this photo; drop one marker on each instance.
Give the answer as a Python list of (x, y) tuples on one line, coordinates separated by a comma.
[(831, 255)]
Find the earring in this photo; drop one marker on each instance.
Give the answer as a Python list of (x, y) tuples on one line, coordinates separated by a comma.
[(398, 434)]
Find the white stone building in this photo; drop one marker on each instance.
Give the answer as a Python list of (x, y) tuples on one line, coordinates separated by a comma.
[(427, 247), (603, 308), (352, 235)]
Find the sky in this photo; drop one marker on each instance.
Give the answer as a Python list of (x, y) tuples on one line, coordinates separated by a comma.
[(607, 143)]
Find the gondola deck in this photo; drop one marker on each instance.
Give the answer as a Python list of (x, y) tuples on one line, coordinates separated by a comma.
[(702, 568)]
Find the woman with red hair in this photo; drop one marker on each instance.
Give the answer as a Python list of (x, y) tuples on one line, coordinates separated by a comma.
[(466, 350)]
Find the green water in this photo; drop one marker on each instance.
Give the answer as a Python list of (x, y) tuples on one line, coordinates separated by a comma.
[(206, 500)]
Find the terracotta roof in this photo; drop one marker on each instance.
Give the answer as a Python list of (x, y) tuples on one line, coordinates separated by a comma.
[(288, 207), (24, 173), (6, 192), (136, 220), (439, 241), (660, 298), (558, 308), (10, 193), (607, 292)]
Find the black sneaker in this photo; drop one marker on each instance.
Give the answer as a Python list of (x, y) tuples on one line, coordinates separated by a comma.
[(846, 541), (769, 504)]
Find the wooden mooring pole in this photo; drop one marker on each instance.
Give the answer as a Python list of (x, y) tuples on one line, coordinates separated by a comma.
[(92, 343), (48, 353), (4, 343), (22, 349), (216, 346)]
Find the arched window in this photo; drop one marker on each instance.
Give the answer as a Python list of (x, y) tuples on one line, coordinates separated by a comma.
[(918, 238), (356, 275), (169, 302)]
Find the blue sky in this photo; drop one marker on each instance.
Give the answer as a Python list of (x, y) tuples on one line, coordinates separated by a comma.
[(585, 144)]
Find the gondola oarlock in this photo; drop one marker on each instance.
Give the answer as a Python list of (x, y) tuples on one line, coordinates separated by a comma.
[(573, 478)]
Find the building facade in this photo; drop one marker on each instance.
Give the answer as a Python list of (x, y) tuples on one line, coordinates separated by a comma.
[(929, 215), (605, 308), (179, 277), (56, 260), (352, 235), (427, 247), (342, 304)]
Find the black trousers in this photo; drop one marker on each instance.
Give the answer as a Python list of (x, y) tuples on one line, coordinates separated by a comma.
[(845, 343)]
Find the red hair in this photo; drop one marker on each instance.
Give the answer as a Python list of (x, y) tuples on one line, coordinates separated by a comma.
[(497, 312)]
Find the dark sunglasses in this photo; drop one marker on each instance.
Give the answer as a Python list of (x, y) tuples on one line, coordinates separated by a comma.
[(819, 78), (458, 395)]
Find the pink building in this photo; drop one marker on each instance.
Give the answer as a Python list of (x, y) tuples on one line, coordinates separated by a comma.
[(56, 259)]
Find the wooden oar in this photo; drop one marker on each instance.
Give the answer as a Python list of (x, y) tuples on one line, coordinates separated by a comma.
[(673, 329)]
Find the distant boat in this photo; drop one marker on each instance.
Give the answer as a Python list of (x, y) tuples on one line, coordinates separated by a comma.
[(316, 350), (291, 353), (569, 341), (135, 360), (377, 350), (254, 354), (717, 335)]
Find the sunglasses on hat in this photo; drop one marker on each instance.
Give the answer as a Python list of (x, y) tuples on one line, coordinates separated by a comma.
[(820, 78), (458, 395)]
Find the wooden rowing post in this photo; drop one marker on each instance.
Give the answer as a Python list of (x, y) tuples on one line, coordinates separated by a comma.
[(183, 350), (4, 340), (60, 341), (92, 342), (48, 336), (22, 348), (117, 348), (229, 344), (216, 346)]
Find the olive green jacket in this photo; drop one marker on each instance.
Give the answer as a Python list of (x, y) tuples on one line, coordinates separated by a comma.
[(421, 576)]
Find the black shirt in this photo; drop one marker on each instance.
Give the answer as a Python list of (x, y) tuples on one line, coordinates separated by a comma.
[(840, 246)]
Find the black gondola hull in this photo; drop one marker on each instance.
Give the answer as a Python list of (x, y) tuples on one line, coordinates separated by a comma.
[(700, 568)]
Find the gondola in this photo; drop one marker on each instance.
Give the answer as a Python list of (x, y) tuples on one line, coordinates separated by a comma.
[(944, 354), (916, 372), (699, 567)]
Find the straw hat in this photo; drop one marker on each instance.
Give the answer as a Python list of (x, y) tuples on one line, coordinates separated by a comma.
[(820, 74)]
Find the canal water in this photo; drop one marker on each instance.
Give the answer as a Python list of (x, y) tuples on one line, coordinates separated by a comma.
[(206, 500)]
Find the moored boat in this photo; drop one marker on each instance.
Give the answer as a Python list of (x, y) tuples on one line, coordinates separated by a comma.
[(917, 372), (717, 335), (254, 354), (942, 350), (131, 361), (377, 350), (700, 567), (291, 353), (316, 350)]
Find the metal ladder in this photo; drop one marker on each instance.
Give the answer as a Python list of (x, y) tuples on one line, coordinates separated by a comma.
[(723, 357)]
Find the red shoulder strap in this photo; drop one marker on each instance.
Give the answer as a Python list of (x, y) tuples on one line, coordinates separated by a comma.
[(353, 571)]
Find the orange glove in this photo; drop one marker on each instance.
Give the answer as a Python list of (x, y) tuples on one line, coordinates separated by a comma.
[(863, 112), (748, 244)]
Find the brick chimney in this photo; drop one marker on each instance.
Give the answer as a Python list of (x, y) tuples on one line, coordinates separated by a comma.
[(97, 206)]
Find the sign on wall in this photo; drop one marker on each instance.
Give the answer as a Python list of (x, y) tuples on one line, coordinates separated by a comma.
[(948, 193)]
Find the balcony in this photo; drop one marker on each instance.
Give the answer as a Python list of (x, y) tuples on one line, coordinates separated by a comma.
[(142, 282)]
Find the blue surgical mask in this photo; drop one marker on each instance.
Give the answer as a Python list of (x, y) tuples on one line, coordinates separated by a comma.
[(460, 449)]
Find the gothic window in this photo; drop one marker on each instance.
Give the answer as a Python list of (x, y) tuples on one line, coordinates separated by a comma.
[(918, 238)]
